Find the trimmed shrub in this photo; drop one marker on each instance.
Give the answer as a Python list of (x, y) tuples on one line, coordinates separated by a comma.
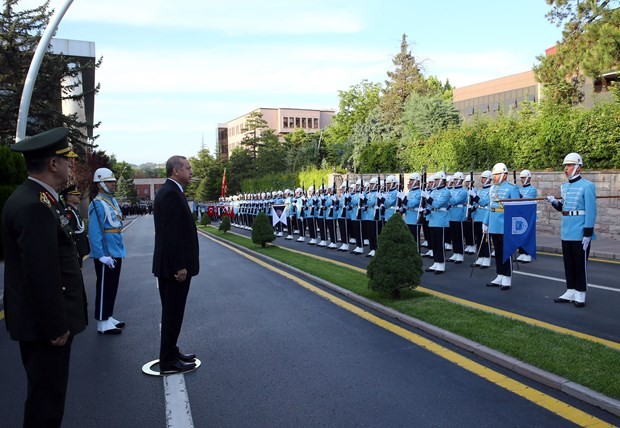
[(224, 224), (397, 263), (262, 231), (204, 220)]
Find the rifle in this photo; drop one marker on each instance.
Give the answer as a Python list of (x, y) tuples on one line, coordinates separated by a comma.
[(347, 200), (401, 188), (313, 200), (422, 200), (362, 202), (377, 199), (470, 199)]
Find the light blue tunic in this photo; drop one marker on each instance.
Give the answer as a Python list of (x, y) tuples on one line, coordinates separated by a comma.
[(578, 198), (495, 216), (439, 216), (482, 203), (104, 214), (458, 204), (413, 204)]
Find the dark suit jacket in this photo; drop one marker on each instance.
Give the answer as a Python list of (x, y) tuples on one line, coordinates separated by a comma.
[(43, 287), (176, 239)]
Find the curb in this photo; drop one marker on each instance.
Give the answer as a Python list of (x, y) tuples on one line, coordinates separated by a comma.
[(551, 380)]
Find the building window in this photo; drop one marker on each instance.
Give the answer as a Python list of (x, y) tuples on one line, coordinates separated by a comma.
[(297, 122), (496, 106), (316, 123), (303, 122), (285, 122), (469, 111)]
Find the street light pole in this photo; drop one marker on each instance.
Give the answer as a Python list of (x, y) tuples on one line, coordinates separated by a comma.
[(31, 77)]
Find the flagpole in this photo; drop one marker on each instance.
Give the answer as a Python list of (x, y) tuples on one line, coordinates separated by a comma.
[(35, 64)]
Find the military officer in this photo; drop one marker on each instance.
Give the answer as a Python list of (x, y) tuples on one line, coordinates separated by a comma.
[(370, 216), (411, 207), (578, 208), (107, 249), (44, 298), (72, 197), (494, 223), (526, 191)]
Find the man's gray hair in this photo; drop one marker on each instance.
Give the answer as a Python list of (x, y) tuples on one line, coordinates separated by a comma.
[(174, 162)]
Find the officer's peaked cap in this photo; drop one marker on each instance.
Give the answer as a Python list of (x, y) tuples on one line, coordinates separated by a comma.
[(46, 144)]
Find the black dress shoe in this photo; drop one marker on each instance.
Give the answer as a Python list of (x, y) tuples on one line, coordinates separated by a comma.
[(504, 287), (177, 367), (492, 284), (439, 272), (457, 262), (561, 300), (188, 358), (428, 269), (579, 304)]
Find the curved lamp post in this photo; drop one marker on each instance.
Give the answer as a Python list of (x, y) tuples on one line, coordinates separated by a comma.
[(31, 77)]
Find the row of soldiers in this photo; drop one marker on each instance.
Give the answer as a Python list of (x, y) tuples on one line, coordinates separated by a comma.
[(446, 209)]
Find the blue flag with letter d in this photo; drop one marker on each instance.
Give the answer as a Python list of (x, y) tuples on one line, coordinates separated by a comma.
[(519, 227)]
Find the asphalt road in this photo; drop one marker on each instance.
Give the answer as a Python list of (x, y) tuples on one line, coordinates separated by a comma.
[(273, 354)]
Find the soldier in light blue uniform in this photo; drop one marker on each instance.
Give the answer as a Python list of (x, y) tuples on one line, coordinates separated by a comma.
[(411, 206), (458, 213), (310, 214), (107, 249), (369, 216), (358, 201), (391, 197), (344, 220), (300, 203), (527, 191), (494, 223), (439, 219), (578, 208), (481, 199), (332, 212)]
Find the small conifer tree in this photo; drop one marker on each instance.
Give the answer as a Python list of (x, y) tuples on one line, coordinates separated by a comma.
[(397, 263), (225, 224), (204, 220), (262, 231)]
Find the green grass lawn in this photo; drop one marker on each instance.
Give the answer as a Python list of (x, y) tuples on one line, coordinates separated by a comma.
[(590, 364)]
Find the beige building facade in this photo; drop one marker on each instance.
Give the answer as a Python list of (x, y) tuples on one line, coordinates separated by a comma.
[(282, 120)]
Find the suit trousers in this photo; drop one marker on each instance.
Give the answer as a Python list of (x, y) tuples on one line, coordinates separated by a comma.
[(502, 268), (173, 295), (47, 370), (107, 288), (575, 265)]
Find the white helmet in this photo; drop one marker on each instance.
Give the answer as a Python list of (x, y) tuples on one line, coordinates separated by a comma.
[(449, 179), (374, 181), (343, 185), (352, 185), (390, 181), (103, 174), (415, 176), (439, 176), (525, 174), (572, 159), (500, 168), (487, 174), (358, 182), (298, 190), (459, 176)]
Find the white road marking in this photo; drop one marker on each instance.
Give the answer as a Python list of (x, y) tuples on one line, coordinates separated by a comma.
[(178, 412), (550, 278)]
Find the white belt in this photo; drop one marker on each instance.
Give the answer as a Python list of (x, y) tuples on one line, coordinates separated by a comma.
[(440, 209), (482, 208), (457, 206), (573, 212)]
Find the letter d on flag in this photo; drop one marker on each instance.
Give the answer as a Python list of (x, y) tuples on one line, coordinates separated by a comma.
[(519, 227)]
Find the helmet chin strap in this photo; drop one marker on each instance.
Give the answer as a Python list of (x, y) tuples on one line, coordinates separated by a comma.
[(104, 187), (575, 172)]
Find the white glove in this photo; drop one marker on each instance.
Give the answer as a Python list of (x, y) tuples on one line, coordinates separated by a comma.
[(585, 242), (424, 194), (551, 199), (485, 228), (471, 193), (362, 196), (108, 261), (401, 195)]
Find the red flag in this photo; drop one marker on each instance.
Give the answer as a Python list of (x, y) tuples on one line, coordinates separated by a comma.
[(224, 185)]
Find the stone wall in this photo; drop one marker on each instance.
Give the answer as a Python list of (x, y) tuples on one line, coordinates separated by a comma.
[(548, 183)]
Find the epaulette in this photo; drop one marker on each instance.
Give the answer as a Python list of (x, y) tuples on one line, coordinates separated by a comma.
[(47, 199)]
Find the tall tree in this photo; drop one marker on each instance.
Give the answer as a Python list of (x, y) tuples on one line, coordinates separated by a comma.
[(253, 129), (271, 157), (355, 106), (406, 79), (20, 32), (240, 166), (200, 167), (425, 115), (590, 46)]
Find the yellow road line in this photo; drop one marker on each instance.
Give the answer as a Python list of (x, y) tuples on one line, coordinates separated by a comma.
[(592, 259), (541, 399), (469, 303)]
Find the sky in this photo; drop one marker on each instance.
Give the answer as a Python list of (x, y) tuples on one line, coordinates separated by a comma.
[(173, 70)]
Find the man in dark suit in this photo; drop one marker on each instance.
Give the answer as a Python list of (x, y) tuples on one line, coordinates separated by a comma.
[(175, 261), (44, 296)]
